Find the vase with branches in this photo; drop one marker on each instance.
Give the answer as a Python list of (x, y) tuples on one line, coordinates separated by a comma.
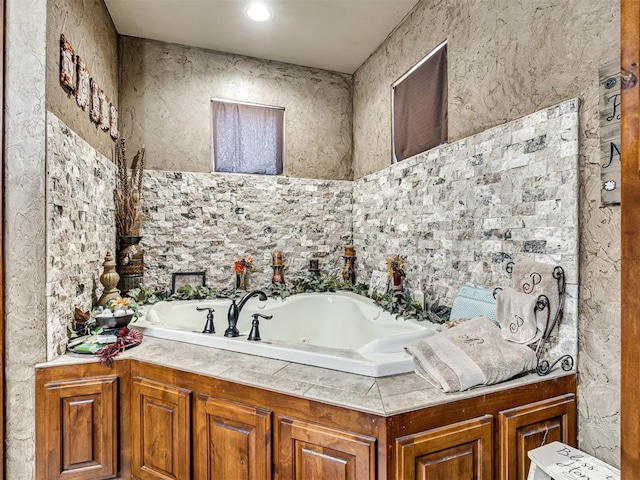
[(128, 204)]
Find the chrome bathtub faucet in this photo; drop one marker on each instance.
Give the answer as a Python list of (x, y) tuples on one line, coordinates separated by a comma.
[(235, 309)]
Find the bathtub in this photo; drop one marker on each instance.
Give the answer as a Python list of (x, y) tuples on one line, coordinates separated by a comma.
[(341, 331)]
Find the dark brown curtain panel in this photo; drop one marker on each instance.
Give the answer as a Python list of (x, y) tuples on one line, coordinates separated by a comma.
[(420, 108), (247, 138)]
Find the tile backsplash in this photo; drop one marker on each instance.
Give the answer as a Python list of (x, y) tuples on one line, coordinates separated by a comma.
[(458, 213)]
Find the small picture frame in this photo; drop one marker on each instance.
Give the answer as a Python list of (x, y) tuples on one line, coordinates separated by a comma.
[(180, 279), (378, 284)]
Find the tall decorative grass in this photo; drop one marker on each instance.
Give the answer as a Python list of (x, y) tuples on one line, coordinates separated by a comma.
[(128, 191)]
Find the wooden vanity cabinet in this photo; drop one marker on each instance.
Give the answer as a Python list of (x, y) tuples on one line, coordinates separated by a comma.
[(78, 433), (231, 440), (309, 451), (463, 450), (160, 430), (143, 421), (530, 426)]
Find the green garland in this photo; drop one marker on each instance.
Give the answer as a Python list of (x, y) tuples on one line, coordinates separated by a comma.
[(399, 304)]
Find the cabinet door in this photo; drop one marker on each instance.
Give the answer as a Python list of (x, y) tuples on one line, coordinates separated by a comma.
[(461, 450), (232, 441), (161, 433), (314, 452), (530, 426), (79, 433)]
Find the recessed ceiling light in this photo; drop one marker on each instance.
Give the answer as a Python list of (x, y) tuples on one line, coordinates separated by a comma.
[(257, 12)]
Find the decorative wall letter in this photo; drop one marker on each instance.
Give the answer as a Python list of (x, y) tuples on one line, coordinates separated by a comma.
[(74, 77), (104, 110), (83, 89), (67, 65), (94, 113), (113, 121), (610, 132)]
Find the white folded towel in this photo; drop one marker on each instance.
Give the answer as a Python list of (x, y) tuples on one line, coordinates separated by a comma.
[(471, 354), (515, 312)]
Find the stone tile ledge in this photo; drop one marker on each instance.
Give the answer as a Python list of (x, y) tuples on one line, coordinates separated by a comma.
[(384, 396)]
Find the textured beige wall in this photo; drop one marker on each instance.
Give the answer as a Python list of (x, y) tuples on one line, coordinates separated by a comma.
[(88, 26), (507, 59), (165, 94), (24, 240)]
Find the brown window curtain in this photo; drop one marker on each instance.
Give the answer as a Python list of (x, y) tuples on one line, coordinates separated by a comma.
[(420, 108), (247, 138)]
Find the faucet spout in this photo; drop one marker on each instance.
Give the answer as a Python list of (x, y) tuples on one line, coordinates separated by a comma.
[(236, 308), (262, 296)]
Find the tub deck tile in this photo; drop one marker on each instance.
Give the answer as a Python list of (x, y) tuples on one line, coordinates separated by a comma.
[(348, 382)]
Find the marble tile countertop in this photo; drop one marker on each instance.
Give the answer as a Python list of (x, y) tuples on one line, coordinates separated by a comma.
[(381, 396)]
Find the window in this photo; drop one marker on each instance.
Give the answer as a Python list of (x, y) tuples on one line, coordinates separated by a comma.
[(419, 106), (247, 138)]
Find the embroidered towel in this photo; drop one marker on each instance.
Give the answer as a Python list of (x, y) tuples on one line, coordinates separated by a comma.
[(471, 354), (537, 279), (515, 312)]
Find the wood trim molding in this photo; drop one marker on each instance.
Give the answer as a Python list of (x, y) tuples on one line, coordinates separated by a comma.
[(630, 245)]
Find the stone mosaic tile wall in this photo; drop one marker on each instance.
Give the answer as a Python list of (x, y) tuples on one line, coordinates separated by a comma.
[(203, 221), (507, 59), (80, 227), (460, 212)]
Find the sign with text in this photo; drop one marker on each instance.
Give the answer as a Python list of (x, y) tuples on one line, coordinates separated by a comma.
[(562, 462), (610, 132)]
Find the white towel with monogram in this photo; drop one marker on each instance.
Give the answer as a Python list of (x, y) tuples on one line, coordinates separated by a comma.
[(516, 314), (471, 354)]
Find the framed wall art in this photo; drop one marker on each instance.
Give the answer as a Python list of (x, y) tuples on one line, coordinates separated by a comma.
[(193, 279), (379, 283)]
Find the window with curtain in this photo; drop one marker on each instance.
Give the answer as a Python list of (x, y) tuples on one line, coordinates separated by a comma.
[(247, 138), (419, 106)]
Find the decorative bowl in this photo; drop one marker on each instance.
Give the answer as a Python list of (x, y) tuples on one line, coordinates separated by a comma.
[(114, 322)]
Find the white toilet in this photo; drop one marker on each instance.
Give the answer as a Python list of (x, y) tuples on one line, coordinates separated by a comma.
[(559, 461)]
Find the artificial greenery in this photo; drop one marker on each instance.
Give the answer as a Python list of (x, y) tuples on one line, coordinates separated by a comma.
[(400, 303)]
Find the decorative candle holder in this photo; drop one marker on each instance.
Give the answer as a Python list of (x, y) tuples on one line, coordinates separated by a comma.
[(314, 266), (348, 272), (277, 266)]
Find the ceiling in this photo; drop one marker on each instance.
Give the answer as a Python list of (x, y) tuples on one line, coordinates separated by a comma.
[(336, 35)]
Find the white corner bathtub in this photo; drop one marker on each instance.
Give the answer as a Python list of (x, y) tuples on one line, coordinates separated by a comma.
[(341, 331)]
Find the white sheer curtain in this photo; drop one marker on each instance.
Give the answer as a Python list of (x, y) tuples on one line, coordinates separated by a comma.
[(247, 138)]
